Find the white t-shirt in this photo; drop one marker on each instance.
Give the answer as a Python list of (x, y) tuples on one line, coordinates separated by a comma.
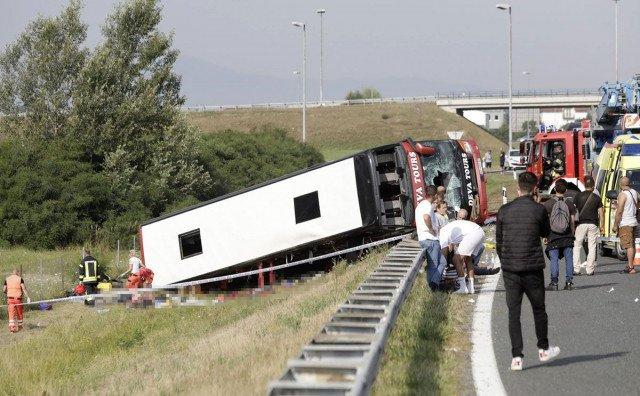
[(425, 208), (456, 230), (135, 264)]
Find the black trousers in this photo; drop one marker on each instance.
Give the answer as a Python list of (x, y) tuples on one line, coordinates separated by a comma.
[(530, 283)]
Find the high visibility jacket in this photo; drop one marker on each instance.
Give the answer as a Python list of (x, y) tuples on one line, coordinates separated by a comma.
[(88, 270), (14, 286)]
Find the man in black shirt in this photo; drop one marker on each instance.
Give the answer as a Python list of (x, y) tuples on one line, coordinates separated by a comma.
[(590, 218)]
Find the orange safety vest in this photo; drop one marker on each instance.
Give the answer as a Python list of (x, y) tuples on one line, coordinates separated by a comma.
[(14, 286)]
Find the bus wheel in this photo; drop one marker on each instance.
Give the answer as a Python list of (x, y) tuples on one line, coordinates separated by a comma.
[(621, 253)]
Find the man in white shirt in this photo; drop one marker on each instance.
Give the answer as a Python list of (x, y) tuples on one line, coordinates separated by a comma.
[(427, 228), (465, 238)]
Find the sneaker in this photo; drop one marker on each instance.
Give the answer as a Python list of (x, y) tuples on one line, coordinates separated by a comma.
[(591, 273), (568, 286), (547, 355), (516, 364), (576, 273), (552, 287)]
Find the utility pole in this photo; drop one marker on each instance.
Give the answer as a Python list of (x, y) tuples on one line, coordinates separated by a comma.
[(507, 7), (321, 12), (615, 6), (304, 78)]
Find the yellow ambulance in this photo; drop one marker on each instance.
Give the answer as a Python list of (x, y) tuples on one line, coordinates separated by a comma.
[(621, 158)]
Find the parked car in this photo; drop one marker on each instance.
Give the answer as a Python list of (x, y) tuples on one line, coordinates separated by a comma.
[(514, 160)]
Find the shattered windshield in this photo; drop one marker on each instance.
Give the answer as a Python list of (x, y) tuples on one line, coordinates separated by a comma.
[(441, 169)]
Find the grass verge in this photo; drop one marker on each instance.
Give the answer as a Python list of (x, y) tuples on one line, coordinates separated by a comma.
[(350, 127), (231, 348), (427, 352)]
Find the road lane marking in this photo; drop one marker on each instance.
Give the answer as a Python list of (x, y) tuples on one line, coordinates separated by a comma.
[(486, 377)]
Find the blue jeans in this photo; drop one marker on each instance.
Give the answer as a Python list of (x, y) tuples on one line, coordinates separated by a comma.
[(435, 262), (476, 258), (554, 255)]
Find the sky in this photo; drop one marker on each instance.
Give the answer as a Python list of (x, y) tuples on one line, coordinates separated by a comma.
[(241, 52)]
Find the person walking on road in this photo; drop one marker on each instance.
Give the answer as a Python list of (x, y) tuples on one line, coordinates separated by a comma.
[(520, 225), (625, 221), (560, 242), (14, 289), (590, 223), (427, 228)]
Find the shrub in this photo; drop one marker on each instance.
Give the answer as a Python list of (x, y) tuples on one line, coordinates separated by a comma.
[(238, 160)]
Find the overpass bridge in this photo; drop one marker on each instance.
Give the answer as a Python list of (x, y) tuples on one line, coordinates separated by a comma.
[(459, 102)]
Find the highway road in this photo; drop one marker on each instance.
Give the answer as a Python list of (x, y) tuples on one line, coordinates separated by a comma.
[(597, 326)]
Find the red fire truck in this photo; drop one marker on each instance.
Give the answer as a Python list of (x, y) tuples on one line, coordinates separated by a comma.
[(557, 155)]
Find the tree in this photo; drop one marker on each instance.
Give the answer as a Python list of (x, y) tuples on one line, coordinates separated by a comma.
[(38, 73), (126, 111), (365, 93), (529, 127)]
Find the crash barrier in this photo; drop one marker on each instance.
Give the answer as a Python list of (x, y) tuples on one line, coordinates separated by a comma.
[(324, 103), (343, 357), (225, 277)]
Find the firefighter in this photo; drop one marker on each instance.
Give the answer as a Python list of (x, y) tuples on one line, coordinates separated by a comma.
[(88, 273), (14, 289), (557, 160)]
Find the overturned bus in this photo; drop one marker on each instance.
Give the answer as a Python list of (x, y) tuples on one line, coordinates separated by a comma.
[(367, 196)]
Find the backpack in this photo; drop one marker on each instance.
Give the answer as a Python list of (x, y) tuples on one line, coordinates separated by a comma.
[(560, 217)]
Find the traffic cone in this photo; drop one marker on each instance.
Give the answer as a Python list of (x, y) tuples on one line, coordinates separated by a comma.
[(636, 257)]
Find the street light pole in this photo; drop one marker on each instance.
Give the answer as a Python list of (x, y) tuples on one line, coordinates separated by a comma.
[(297, 74), (321, 13), (507, 7), (615, 6), (304, 78)]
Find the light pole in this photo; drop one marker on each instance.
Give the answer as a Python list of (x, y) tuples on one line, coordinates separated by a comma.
[(507, 7), (304, 78), (321, 12), (297, 74), (527, 76), (615, 7)]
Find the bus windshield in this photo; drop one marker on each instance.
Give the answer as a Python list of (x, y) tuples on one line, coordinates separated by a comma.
[(445, 169)]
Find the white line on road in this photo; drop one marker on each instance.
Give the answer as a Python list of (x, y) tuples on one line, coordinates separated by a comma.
[(486, 377)]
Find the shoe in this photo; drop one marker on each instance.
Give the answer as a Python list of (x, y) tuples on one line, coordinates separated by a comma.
[(516, 364), (552, 287), (547, 355), (628, 270), (568, 286), (576, 273), (494, 271), (591, 273)]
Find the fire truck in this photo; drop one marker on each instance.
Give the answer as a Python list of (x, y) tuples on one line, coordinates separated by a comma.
[(571, 161)]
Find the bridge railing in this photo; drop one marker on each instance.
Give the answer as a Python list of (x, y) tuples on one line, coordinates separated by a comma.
[(404, 99), (518, 93)]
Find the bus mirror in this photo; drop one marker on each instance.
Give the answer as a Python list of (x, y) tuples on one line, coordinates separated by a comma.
[(612, 195)]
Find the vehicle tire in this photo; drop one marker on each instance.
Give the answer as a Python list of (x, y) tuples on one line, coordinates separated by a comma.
[(621, 253), (605, 251)]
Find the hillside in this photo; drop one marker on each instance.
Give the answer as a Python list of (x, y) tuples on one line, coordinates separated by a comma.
[(341, 130)]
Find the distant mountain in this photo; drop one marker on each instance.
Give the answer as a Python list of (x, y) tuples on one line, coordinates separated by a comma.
[(205, 83)]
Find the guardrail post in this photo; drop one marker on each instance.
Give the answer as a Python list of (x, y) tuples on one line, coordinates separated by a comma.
[(260, 277), (272, 275)]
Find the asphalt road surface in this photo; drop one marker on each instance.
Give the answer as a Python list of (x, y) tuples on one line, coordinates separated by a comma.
[(597, 327)]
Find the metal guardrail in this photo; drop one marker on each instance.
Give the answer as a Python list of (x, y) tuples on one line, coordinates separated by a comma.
[(343, 357), (404, 99), (298, 105), (527, 93)]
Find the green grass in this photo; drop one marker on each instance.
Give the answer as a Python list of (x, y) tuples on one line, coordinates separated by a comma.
[(340, 130), (231, 348), (427, 352), (495, 182)]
